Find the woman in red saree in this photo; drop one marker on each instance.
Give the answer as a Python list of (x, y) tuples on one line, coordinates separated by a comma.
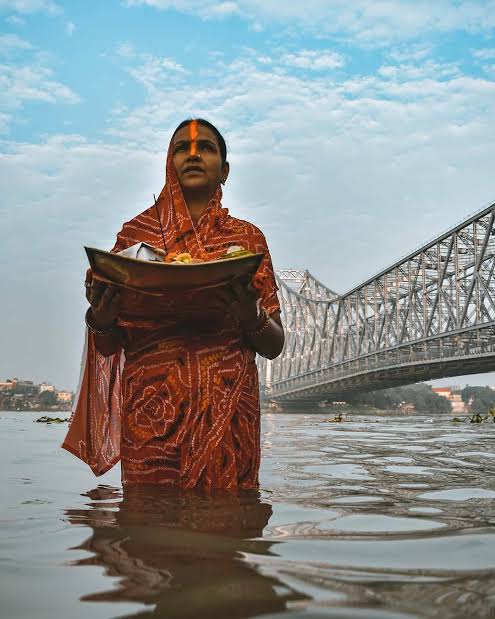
[(178, 403)]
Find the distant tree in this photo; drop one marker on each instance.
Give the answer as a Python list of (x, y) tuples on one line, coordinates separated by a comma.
[(425, 400), (421, 395), (479, 399), (47, 398)]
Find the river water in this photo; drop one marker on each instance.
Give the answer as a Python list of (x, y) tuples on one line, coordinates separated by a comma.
[(373, 518)]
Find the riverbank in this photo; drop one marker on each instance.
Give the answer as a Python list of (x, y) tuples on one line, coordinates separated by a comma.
[(38, 408), (344, 409)]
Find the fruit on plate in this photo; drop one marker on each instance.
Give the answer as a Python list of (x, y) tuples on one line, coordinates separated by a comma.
[(181, 258), (235, 251)]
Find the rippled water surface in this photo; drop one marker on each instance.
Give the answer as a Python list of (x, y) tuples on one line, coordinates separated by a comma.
[(374, 517)]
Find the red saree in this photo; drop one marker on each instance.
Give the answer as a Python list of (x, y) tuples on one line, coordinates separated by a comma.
[(178, 406)]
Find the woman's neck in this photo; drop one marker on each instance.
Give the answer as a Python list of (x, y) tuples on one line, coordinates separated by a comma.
[(196, 205)]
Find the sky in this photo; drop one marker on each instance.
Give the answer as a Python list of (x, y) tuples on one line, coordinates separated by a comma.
[(357, 131)]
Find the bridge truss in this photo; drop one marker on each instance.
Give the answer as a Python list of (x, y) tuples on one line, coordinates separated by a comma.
[(430, 315)]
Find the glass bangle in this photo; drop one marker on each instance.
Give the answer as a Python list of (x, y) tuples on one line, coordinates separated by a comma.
[(93, 330), (264, 323)]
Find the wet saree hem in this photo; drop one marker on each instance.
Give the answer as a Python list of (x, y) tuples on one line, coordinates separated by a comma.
[(98, 472)]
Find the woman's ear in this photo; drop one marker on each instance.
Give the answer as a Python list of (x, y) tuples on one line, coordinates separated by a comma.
[(225, 172)]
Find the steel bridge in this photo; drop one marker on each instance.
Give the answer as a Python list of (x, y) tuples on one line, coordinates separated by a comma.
[(429, 315)]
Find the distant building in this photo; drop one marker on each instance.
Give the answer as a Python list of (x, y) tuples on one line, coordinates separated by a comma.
[(27, 387), (26, 395), (458, 406), (455, 399), (64, 397), (445, 392), (407, 407)]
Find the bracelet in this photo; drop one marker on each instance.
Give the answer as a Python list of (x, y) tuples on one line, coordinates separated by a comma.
[(93, 330), (264, 323)]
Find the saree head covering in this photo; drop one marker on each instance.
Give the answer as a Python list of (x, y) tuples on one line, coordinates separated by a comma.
[(179, 403)]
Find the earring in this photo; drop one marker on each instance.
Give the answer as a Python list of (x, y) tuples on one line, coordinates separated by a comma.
[(224, 180)]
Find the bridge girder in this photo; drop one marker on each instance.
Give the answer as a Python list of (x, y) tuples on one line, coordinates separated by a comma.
[(429, 315)]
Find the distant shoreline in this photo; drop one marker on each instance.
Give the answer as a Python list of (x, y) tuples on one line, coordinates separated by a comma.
[(38, 409)]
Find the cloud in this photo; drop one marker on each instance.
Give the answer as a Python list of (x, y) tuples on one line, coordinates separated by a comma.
[(20, 84), (205, 9), (15, 20), (402, 142), (12, 42), (484, 54), (366, 21), (30, 6), (315, 60), (126, 50), (343, 174), (26, 79), (148, 70), (408, 141), (411, 72), (56, 197), (70, 28), (5, 120), (223, 9), (410, 53), (153, 71)]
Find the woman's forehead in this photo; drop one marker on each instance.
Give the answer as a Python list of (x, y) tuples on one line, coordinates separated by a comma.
[(204, 133)]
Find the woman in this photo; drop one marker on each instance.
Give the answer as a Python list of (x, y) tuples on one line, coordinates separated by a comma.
[(180, 405)]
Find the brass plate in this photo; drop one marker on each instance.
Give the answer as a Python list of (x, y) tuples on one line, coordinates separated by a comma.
[(148, 275)]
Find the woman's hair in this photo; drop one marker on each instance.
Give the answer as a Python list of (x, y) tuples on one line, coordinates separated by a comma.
[(219, 136)]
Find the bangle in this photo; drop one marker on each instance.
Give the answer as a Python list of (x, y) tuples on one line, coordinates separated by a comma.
[(94, 330), (262, 324)]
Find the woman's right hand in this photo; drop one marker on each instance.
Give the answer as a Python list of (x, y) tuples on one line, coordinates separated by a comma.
[(105, 304)]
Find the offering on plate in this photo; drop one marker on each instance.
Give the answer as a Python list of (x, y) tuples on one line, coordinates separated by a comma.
[(145, 267)]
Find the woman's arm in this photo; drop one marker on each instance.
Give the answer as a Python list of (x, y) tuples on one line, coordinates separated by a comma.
[(110, 343), (268, 338), (102, 315), (264, 333)]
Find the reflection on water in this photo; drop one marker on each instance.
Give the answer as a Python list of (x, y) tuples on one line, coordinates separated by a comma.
[(182, 553), (373, 518)]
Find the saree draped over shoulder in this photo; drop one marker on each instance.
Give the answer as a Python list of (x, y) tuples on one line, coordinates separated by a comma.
[(179, 404)]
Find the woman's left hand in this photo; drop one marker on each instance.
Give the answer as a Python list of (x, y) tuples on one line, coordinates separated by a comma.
[(239, 300)]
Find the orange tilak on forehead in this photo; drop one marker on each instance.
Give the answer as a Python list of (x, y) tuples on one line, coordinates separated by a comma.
[(193, 134)]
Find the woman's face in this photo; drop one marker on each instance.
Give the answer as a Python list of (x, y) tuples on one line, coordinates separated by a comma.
[(197, 159)]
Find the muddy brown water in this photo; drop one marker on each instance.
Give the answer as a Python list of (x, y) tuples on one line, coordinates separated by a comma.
[(373, 518)]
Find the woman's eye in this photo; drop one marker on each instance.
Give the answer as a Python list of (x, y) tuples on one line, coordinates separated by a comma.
[(207, 147), (179, 148)]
